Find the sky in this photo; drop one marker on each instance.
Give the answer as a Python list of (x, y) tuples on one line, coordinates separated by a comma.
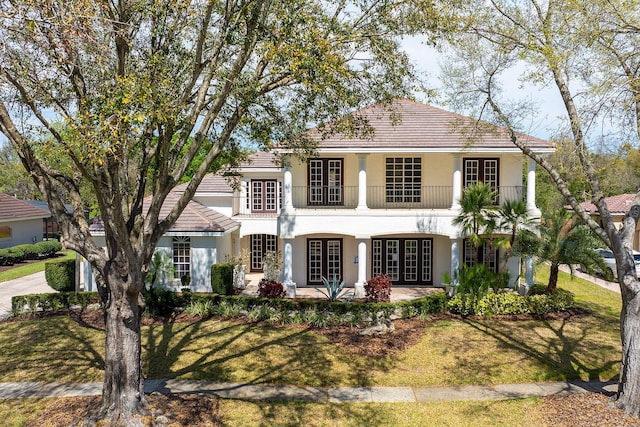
[(427, 61)]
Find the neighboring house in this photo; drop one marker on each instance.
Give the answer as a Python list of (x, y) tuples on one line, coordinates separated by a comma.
[(618, 207), (50, 227), (20, 222), (384, 204)]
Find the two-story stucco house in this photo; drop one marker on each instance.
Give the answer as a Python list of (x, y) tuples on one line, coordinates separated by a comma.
[(383, 204)]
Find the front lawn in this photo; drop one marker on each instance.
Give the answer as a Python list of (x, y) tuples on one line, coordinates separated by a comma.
[(450, 351)]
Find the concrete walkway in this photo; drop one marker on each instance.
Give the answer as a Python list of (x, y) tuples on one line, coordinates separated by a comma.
[(32, 284), (315, 394)]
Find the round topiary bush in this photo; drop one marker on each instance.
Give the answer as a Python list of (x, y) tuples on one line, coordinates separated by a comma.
[(61, 275)]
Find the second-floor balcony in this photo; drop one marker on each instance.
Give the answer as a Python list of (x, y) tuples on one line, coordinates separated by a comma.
[(382, 197)]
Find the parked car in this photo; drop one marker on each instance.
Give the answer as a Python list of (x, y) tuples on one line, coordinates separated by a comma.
[(610, 262)]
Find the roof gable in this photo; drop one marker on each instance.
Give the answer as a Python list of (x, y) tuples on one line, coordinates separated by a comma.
[(12, 209), (412, 125)]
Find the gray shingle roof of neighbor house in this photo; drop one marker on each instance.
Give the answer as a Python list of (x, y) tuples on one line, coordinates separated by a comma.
[(619, 204), (43, 205), (412, 126), (12, 209), (195, 218)]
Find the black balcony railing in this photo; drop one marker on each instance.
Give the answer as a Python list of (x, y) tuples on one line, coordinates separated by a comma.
[(421, 197)]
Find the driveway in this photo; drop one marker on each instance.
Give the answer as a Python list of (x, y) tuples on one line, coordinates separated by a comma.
[(32, 284)]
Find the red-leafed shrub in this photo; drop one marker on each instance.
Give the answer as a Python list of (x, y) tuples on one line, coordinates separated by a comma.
[(270, 289), (378, 288)]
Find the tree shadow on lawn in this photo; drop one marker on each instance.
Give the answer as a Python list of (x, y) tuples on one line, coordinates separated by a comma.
[(571, 350), (253, 353), (55, 349)]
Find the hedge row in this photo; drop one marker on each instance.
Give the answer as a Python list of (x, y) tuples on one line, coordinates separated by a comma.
[(510, 303), (40, 250), (313, 312), (33, 303)]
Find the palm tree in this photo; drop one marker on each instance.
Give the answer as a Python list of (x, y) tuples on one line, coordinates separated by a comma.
[(478, 214), (513, 217), (563, 240)]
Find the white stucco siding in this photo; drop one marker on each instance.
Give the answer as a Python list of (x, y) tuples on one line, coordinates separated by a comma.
[(511, 170), (204, 254), (222, 204), (22, 232), (258, 225), (367, 224), (441, 258)]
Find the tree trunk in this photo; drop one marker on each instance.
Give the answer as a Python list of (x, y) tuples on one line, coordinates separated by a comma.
[(626, 398), (122, 392), (553, 278)]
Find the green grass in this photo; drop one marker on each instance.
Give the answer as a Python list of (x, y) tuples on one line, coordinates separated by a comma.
[(450, 352), (512, 413), (34, 267), (507, 413)]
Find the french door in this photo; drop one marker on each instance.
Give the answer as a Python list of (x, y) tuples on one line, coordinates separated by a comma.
[(260, 245), (324, 259), (406, 261)]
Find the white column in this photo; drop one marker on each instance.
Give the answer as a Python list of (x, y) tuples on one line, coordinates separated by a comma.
[(89, 284), (287, 268), (287, 191), (457, 182), (244, 194), (531, 188), (362, 267), (362, 182), (528, 275), (455, 259)]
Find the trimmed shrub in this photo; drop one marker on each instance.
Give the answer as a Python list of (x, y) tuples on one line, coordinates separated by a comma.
[(271, 289), (31, 304), (510, 303), (378, 289), (61, 275), (161, 302), (29, 251), (222, 278), (17, 253), (7, 257)]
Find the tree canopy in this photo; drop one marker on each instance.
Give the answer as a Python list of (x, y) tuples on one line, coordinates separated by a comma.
[(587, 51), (136, 96)]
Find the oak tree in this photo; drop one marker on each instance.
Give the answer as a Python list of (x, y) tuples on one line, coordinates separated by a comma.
[(140, 94)]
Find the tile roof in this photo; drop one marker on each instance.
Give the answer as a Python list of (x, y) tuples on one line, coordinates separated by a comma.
[(618, 204), (194, 218), (211, 183), (12, 209), (412, 125), (261, 160)]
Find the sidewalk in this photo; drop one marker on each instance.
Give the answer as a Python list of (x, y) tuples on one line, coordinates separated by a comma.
[(316, 394), (612, 286)]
